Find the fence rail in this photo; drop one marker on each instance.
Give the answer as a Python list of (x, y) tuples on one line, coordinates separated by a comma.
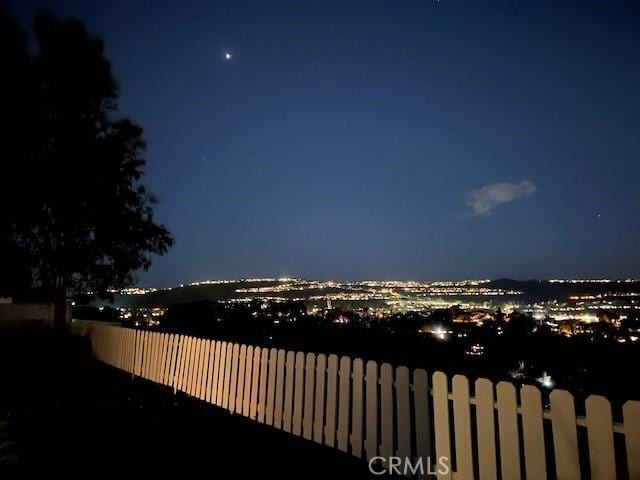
[(484, 431)]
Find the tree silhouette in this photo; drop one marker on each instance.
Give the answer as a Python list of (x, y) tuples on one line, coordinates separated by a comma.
[(72, 204)]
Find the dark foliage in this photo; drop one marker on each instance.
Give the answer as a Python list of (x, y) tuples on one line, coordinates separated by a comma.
[(74, 214)]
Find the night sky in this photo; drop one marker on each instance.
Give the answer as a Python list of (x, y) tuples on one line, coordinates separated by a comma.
[(395, 139)]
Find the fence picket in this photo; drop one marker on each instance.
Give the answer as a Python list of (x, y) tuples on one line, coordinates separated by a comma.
[(279, 398), (205, 369), (177, 347), (124, 338), (140, 349), (132, 351), (174, 360), (143, 354), (403, 414), (631, 418), (122, 334), (271, 387), (441, 422), (332, 391), (485, 419), (197, 375), (342, 432), (115, 334), (148, 355), (246, 396), (288, 391), (298, 395), (113, 353), (508, 430), (386, 411), (120, 341), (165, 356), (224, 374), (205, 361), (211, 372), (462, 427), (190, 360), (193, 366), (186, 348), (600, 435), (123, 349), (357, 407), (233, 384), (261, 405), (155, 356), (116, 347), (533, 432), (182, 352), (125, 342), (161, 357), (127, 350), (242, 365), (253, 403), (226, 380), (422, 419), (219, 367), (222, 360), (188, 365), (565, 437), (107, 344), (318, 416), (136, 363), (194, 380), (309, 390), (371, 410), (157, 347), (264, 368)]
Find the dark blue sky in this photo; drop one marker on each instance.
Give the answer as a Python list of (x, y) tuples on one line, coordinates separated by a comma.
[(353, 139)]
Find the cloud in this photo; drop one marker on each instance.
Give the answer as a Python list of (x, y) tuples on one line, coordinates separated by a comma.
[(483, 200)]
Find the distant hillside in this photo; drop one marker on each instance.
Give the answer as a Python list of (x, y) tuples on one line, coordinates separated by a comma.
[(533, 290), (222, 291), (165, 298), (541, 290)]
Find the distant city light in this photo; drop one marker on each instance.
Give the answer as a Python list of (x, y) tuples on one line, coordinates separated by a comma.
[(476, 350), (440, 333), (472, 302), (545, 380)]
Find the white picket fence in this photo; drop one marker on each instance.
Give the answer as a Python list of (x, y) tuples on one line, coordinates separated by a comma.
[(373, 410)]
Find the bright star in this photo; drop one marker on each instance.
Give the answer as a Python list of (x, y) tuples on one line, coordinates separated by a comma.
[(227, 56)]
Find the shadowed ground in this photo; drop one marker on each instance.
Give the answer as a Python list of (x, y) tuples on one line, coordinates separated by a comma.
[(64, 412)]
